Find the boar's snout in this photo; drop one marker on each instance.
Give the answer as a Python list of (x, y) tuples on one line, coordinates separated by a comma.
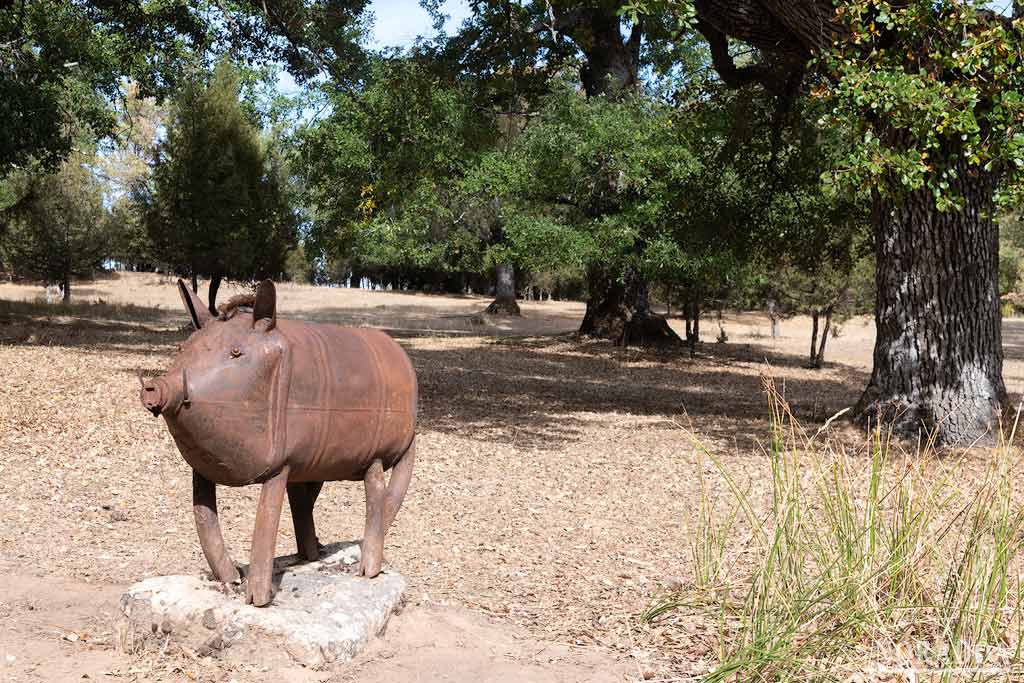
[(166, 394), (153, 395)]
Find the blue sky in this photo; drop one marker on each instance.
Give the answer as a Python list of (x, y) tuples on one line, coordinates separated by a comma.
[(397, 23)]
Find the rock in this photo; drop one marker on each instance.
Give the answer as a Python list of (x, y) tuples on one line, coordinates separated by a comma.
[(322, 613)]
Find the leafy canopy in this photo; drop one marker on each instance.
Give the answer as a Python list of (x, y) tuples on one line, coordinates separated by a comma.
[(935, 90), (383, 171), (62, 64)]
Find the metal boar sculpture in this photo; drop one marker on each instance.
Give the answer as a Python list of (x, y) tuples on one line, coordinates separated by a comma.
[(251, 399)]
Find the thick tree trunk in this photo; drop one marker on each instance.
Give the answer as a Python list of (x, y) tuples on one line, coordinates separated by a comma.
[(505, 292), (938, 360), (620, 311), (65, 286), (611, 65), (212, 298)]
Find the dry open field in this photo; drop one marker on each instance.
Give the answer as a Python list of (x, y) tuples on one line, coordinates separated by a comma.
[(551, 503)]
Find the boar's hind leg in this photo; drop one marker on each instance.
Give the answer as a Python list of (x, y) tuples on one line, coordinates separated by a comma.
[(401, 474), (372, 550), (204, 506), (302, 498), (382, 504), (259, 590)]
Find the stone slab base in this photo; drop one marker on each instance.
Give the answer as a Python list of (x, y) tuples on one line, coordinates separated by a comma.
[(322, 612)]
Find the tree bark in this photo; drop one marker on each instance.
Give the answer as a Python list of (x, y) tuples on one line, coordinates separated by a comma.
[(773, 316), (938, 348), (505, 292), (819, 361), (817, 358), (616, 310), (691, 310), (212, 298), (619, 310), (611, 64), (938, 358), (813, 359)]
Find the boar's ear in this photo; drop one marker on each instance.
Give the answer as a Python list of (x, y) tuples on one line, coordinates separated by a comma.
[(197, 310), (265, 306)]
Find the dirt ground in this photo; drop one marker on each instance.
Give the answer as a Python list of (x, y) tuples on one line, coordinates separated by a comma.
[(551, 501)]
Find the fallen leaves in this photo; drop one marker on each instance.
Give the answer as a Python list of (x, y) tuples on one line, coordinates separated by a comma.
[(553, 487)]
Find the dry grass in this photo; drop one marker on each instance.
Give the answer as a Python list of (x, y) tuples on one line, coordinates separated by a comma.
[(867, 561), (555, 487)]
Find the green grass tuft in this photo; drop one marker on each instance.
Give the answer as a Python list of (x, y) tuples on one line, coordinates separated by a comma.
[(865, 564)]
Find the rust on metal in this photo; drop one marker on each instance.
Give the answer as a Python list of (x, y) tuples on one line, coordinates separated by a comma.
[(251, 399)]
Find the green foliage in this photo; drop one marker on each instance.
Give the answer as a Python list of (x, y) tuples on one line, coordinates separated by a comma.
[(934, 89), (67, 61), (63, 61), (57, 226), (129, 241), (311, 38), (816, 243), (695, 197), (218, 201), (501, 51), (297, 268), (590, 183), (383, 173)]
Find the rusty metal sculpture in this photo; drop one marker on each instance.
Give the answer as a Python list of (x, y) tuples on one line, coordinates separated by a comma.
[(251, 399)]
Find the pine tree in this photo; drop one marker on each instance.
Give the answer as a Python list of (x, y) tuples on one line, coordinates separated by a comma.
[(217, 206), (57, 227)]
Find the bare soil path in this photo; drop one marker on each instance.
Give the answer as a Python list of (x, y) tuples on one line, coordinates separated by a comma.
[(58, 631)]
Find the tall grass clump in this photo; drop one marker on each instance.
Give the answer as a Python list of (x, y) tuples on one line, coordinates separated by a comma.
[(858, 564)]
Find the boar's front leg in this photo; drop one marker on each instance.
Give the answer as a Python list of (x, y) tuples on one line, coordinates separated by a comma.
[(302, 497), (204, 506), (259, 589)]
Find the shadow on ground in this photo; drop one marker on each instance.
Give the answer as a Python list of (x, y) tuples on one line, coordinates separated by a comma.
[(539, 392), (97, 327), (1013, 339)]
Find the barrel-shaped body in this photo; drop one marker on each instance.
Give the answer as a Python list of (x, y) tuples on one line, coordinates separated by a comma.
[(323, 399), (351, 399)]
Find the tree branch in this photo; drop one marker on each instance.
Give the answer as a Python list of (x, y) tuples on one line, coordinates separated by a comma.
[(780, 84)]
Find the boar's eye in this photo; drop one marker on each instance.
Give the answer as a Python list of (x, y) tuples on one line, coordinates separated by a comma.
[(236, 352)]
